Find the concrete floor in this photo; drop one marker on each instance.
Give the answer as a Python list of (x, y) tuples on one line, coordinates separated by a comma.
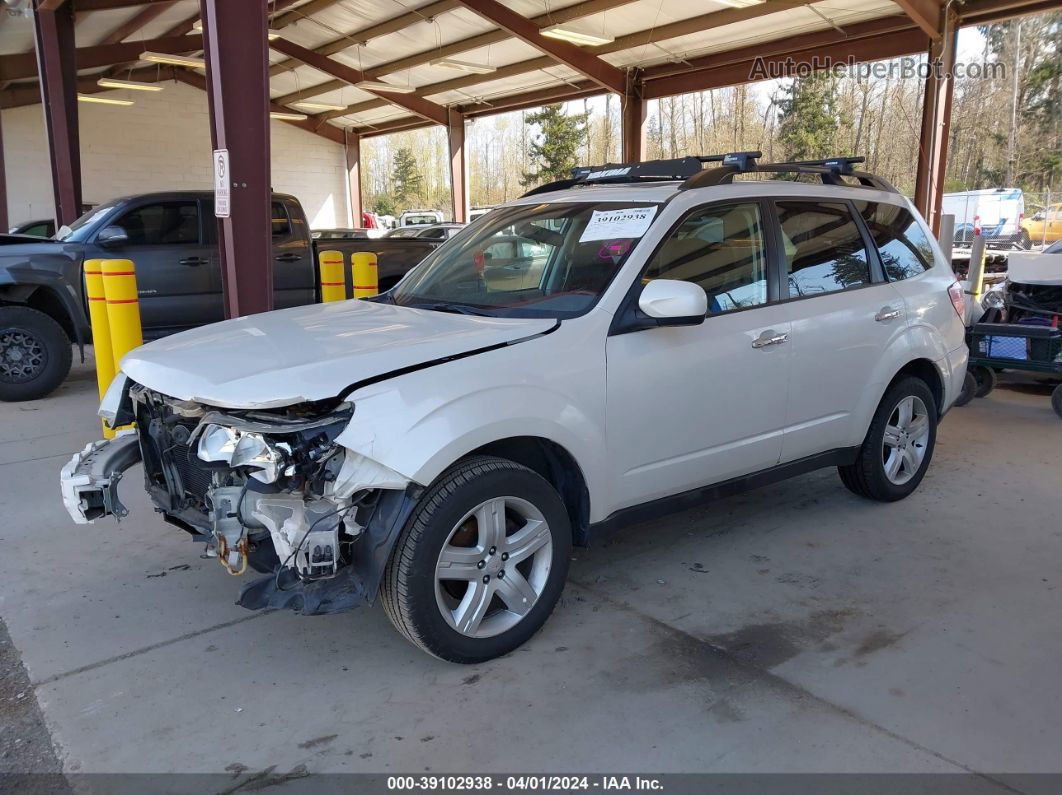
[(796, 628)]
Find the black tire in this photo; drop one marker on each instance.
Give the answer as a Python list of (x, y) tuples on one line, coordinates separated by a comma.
[(866, 477), (969, 386), (35, 354), (985, 378), (408, 589), (1024, 241), (1056, 400)]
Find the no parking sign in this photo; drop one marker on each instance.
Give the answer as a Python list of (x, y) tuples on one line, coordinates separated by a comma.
[(221, 183)]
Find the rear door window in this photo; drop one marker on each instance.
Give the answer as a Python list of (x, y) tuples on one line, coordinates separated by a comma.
[(902, 243), (823, 248), (280, 220)]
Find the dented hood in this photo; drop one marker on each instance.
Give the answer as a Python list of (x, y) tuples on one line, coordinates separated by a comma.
[(310, 352)]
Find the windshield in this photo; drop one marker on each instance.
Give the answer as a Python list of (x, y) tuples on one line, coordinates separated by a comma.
[(538, 260), (403, 232), (77, 230)]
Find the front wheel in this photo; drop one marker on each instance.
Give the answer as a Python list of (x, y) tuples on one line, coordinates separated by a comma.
[(35, 354), (898, 446), (481, 562), (1024, 241)]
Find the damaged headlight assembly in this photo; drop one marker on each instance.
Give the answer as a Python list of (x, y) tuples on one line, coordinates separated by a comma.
[(263, 458)]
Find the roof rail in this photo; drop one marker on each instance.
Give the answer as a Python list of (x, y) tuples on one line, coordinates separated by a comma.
[(644, 171), (829, 170)]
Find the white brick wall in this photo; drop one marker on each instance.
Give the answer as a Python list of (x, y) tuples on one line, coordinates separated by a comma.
[(162, 143)]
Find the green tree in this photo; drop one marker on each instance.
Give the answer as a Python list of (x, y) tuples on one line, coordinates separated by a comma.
[(384, 205), (554, 153), (808, 118), (406, 178)]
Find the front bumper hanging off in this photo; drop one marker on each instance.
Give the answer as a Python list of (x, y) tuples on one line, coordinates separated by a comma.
[(89, 481)]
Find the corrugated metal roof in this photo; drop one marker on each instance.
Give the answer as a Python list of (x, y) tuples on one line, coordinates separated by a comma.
[(342, 21)]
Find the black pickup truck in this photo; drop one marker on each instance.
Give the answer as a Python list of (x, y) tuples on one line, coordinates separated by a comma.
[(172, 239)]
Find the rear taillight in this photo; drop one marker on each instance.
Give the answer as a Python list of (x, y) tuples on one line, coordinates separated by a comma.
[(977, 224), (958, 299)]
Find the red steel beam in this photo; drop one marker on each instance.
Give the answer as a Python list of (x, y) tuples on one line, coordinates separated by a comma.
[(352, 148), (924, 13), (458, 168), (4, 221), (238, 93), (22, 65), (592, 67), (874, 48), (936, 124), (412, 103), (633, 118), (54, 36), (107, 5)]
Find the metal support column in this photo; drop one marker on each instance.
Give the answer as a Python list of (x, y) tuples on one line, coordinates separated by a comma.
[(458, 167), (936, 123), (234, 33), (352, 145), (634, 140), (56, 65), (5, 223)]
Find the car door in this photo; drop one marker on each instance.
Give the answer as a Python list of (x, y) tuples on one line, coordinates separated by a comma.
[(294, 277), (176, 279), (693, 405), (842, 315)]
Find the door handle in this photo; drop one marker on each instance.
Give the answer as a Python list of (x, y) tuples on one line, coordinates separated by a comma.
[(193, 261), (887, 313), (288, 257), (769, 338)]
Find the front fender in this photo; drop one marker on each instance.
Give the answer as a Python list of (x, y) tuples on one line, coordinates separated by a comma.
[(16, 279), (420, 423)]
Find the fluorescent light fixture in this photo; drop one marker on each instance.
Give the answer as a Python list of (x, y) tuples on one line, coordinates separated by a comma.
[(577, 37), (103, 100), (197, 26), (136, 85), (741, 3), (287, 116), (463, 66), (375, 85), (320, 105), (172, 60)]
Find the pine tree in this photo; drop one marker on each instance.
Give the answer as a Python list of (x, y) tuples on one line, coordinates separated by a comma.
[(808, 119), (554, 153), (406, 177)]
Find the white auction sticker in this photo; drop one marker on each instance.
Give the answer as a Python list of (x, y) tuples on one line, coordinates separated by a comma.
[(618, 224)]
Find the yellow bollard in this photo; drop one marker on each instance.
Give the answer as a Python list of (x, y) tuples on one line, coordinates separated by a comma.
[(101, 330), (123, 306), (333, 276), (363, 273)]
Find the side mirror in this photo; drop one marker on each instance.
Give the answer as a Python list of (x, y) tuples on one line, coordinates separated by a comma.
[(1038, 216), (674, 303), (112, 237)]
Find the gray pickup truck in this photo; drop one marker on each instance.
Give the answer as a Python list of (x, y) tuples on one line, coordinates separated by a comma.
[(172, 238)]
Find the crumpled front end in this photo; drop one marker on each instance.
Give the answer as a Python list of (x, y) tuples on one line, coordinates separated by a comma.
[(268, 490)]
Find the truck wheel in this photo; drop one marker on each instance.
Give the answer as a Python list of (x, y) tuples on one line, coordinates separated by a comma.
[(34, 354), (1024, 241), (1056, 400), (985, 378), (899, 444), (969, 386), (480, 563)]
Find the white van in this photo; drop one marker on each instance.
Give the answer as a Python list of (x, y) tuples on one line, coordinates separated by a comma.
[(420, 218), (995, 213)]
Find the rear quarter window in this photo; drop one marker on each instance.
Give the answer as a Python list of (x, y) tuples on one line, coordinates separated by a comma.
[(903, 245)]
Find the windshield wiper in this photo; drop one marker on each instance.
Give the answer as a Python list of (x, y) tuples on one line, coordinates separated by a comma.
[(445, 306)]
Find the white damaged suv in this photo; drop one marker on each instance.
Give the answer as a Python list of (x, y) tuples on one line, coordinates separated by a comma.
[(628, 342)]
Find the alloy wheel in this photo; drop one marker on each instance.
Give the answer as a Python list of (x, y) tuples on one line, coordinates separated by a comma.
[(22, 356), (906, 440), (493, 567)]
